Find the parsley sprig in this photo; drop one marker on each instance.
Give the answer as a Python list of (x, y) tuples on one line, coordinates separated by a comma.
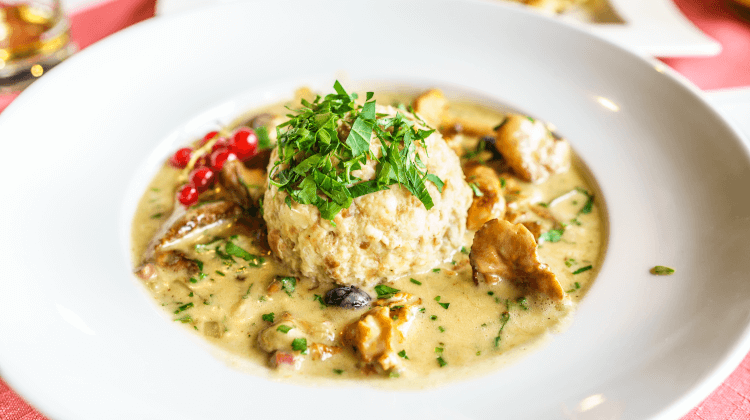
[(328, 138)]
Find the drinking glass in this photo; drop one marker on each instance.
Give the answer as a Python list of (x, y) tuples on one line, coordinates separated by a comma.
[(34, 36)]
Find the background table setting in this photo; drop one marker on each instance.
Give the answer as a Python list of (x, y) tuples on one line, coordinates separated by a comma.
[(711, 50)]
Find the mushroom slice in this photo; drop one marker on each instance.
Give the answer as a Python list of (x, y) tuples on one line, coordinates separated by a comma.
[(376, 333), (245, 185), (490, 204), (186, 222), (504, 251), (530, 149)]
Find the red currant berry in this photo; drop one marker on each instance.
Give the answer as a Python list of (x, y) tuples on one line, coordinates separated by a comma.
[(181, 158), (202, 178), (219, 157), (208, 137), (188, 195), (222, 143), (244, 143)]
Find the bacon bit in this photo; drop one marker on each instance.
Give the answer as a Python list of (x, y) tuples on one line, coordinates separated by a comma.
[(280, 358)]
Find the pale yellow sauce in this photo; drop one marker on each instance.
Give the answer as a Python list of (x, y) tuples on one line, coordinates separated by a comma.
[(231, 304)]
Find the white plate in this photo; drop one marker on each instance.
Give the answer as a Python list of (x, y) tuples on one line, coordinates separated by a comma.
[(80, 339), (649, 27)]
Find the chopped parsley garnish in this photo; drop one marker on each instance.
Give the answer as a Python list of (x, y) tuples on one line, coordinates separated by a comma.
[(435, 270), (570, 262), (441, 329), (437, 298), (523, 303), (299, 344), (248, 291), (238, 252), (199, 263), (444, 305), (319, 298), (439, 350), (185, 319), (394, 374), (504, 318), (441, 362), (157, 215), (264, 142), (384, 292), (338, 371), (464, 250), (328, 138), (184, 307), (433, 317), (586, 209), (475, 188), (402, 354), (268, 317), (284, 328), (490, 293), (576, 286), (661, 270), (554, 235), (288, 284), (220, 273), (582, 269), (418, 283)]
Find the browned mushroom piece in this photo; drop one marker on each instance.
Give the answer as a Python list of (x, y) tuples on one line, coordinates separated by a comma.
[(432, 107), (504, 251), (185, 223), (530, 149), (244, 185), (490, 204), (375, 335)]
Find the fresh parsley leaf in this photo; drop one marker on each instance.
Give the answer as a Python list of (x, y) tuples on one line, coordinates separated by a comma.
[(288, 284), (582, 269), (504, 318), (464, 250), (554, 235), (299, 344), (236, 251), (268, 317), (417, 282), (444, 305), (402, 354), (661, 270), (475, 188), (441, 361), (586, 209), (284, 328), (184, 307), (385, 292), (185, 319), (338, 371)]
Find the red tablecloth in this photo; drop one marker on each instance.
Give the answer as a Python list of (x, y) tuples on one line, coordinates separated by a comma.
[(719, 19)]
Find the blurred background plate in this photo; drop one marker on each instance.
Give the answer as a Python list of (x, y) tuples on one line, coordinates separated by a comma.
[(648, 27)]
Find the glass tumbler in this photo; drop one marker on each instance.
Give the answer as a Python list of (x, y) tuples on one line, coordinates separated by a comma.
[(34, 36)]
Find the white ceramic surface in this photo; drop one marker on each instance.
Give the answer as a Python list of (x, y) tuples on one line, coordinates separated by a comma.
[(648, 27), (80, 339)]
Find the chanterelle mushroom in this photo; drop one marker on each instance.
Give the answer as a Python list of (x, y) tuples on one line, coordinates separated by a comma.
[(490, 204), (504, 251), (530, 149), (375, 335)]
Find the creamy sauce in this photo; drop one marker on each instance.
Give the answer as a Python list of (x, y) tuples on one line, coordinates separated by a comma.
[(226, 305)]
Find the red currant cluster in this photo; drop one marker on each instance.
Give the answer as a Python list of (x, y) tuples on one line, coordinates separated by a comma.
[(243, 145)]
